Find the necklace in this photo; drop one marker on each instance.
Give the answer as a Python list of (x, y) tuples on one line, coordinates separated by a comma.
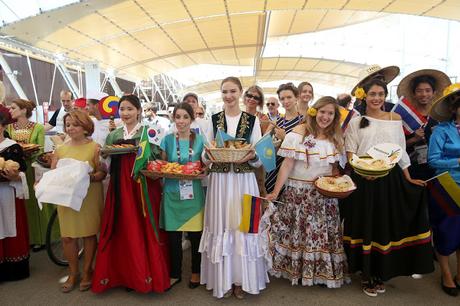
[(190, 147)]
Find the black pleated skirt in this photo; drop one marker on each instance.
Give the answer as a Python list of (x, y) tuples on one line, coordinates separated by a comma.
[(386, 227)]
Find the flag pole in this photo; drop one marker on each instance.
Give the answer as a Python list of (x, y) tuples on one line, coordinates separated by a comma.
[(270, 200), (436, 176)]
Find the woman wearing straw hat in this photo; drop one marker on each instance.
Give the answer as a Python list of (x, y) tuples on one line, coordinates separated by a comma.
[(420, 89), (386, 74), (444, 155), (386, 228)]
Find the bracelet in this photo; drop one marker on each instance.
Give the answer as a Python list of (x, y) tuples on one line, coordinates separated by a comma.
[(254, 159)]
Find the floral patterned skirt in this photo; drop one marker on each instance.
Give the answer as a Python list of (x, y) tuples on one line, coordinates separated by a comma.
[(305, 238)]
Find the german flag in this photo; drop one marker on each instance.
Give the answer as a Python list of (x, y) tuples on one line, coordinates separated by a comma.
[(252, 212)]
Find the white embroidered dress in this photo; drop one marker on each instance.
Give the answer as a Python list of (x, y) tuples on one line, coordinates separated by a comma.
[(303, 233), (228, 255)]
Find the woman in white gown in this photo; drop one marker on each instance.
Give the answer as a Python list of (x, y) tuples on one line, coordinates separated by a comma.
[(231, 261)]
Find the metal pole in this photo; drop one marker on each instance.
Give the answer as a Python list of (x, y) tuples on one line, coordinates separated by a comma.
[(12, 78), (33, 84), (52, 84)]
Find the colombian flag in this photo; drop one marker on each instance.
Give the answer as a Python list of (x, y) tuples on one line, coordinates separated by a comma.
[(345, 117), (446, 193), (252, 212)]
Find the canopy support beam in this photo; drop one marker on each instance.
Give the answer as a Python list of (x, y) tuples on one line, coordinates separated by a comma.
[(68, 79), (12, 77)]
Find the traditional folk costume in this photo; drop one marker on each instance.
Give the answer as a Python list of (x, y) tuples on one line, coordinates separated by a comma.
[(304, 232), (37, 219), (87, 221), (14, 232), (443, 154), (386, 230), (288, 126), (182, 208), (132, 252), (228, 255)]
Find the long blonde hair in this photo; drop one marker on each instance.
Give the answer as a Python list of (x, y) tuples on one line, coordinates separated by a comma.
[(333, 132)]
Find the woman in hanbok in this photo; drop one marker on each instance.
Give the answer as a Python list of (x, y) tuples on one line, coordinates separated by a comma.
[(303, 231), (232, 261), (14, 233), (386, 229), (132, 250), (85, 223), (26, 131), (182, 208), (288, 95), (444, 155)]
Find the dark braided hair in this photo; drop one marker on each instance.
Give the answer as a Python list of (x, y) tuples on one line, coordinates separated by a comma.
[(377, 82)]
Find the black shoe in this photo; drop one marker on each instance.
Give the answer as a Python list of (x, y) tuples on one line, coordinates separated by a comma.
[(456, 283), (452, 291), (37, 248), (193, 285), (177, 281)]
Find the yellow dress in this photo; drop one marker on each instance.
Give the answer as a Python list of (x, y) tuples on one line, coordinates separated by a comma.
[(87, 221)]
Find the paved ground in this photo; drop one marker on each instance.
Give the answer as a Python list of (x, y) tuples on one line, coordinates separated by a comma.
[(42, 289)]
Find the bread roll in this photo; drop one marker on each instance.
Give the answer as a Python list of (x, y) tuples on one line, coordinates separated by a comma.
[(11, 165)]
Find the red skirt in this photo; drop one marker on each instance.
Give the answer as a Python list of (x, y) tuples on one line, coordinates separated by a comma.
[(14, 251), (129, 253)]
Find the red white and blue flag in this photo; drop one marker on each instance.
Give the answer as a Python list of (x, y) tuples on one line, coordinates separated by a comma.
[(411, 118)]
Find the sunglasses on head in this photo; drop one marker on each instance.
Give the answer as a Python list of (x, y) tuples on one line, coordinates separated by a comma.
[(249, 96)]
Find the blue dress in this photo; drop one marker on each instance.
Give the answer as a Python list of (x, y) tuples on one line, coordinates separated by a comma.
[(443, 155)]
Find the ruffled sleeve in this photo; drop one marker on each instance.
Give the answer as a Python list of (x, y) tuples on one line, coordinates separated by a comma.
[(291, 147), (404, 162), (324, 153), (351, 136)]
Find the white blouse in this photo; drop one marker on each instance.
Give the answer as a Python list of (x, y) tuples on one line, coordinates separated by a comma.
[(359, 141), (322, 154)]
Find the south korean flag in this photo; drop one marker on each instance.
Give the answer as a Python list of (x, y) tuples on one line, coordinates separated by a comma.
[(155, 133)]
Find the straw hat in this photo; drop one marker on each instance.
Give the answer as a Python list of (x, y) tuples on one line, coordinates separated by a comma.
[(441, 82), (440, 109), (2, 92), (387, 75)]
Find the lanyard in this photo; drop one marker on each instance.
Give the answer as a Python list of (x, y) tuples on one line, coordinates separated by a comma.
[(190, 150)]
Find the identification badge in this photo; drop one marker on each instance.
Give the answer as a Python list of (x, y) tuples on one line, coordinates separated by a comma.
[(186, 190), (422, 152)]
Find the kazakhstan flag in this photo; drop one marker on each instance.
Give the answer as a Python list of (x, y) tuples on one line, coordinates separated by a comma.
[(221, 137), (266, 152)]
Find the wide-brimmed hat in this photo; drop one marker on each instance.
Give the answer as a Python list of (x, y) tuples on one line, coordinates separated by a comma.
[(2, 92), (441, 81), (440, 109), (386, 74)]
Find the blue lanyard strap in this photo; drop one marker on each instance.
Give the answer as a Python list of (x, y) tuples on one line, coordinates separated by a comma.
[(190, 149)]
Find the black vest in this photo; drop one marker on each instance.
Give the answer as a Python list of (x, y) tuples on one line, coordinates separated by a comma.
[(244, 130)]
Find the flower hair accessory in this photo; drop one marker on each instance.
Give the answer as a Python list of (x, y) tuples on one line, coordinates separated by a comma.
[(312, 112), (359, 93)]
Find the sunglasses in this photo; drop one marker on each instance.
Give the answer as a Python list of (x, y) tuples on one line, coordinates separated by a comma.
[(199, 114), (270, 104), (249, 96)]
